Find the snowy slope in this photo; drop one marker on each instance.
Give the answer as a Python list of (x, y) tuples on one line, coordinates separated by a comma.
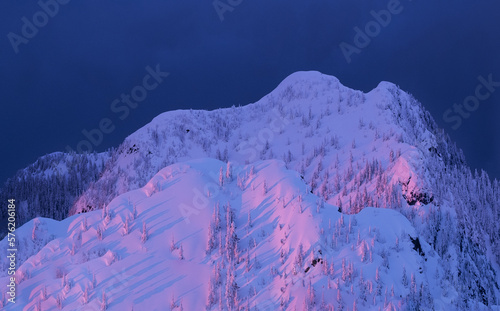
[(267, 266)]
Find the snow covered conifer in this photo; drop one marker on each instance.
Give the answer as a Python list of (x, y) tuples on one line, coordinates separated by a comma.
[(212, 295), (344, 270), (311, 295), (94, 282), (299, 259), (181, 252), (231, 289), (59, 302), (144, 235), (126, 225), (33, 231), (173, 245), (256, 262), (405, 277), (43, 293), (229, 173), (413, 285), (217, 218), (249, 221), (104, 304), (340, 301), (84, 224), (379, 282), (221, 178), (99, 233), (363, 251), (173, 304), (85, 296), (211, 242), (107, 218), (231, 242)]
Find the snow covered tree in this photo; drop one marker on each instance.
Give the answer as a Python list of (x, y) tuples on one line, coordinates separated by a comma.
[(211, 241), (33, 231), (405, 277), (345, 272), (231, 242), (107, 218), (85, 296), (413, 285), (340, 301), (256, 262), (212, 295), (181, 252), (299, 258), (84, 224), (229, 173), (94, 282), (311, 296), (249, 220), (126, 226), (173, 303), (221, 178), (380, 284), (104, 304), (59, 301), (134, 211), (231, 290), (43, 293), (216, 218), (173, 245), (99, 233), (144, 235), (363, 251)]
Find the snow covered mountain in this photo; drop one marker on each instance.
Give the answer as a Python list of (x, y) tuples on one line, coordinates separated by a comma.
[(315, 197), (310, 121)]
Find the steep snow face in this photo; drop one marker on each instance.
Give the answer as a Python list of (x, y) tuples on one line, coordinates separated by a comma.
[(339, 139), (203, 233)]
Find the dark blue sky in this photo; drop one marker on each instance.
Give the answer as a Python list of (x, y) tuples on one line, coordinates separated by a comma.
[(65, 78)]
